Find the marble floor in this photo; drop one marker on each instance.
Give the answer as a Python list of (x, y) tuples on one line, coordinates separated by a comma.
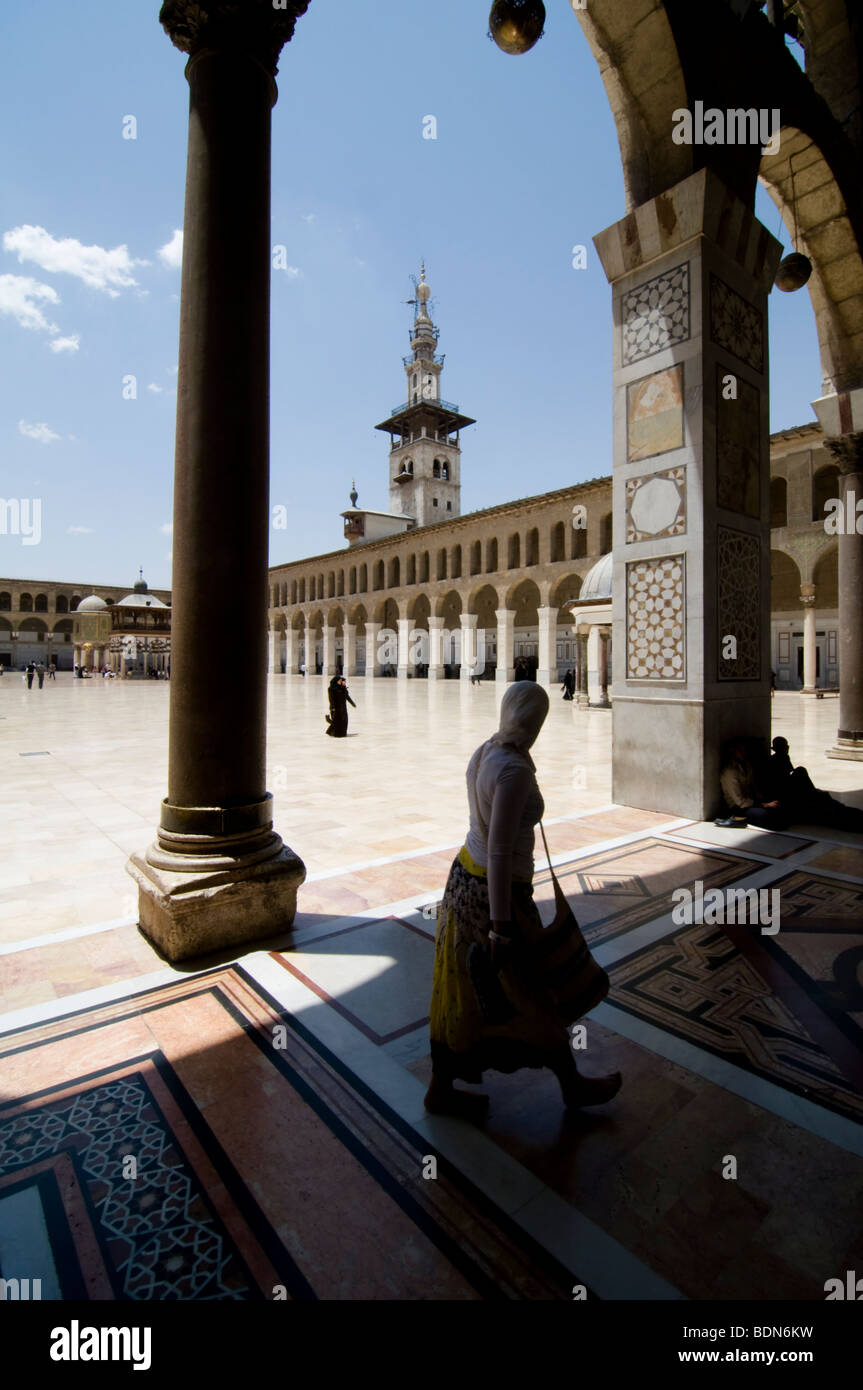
[(272, 1103)]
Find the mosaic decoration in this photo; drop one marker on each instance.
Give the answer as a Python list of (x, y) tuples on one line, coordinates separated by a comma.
[(697, 986), (654, 414), (656, 314), (738, 448), (656, 619), (736, 325), (656, 505), (738, 561)]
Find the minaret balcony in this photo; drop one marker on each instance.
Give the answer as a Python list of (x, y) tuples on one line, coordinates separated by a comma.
[(425, 400)]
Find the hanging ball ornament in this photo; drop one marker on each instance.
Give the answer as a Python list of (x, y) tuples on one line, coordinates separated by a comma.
[(793, 272), (515, 25)]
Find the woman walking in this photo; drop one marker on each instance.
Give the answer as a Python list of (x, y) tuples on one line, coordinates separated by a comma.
[(568, 686), (488, 902), (337, 719)]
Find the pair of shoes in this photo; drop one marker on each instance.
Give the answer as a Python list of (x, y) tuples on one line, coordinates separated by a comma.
[(739, 822)]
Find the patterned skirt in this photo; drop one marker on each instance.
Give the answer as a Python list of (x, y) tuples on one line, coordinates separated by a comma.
[(463, 1045)]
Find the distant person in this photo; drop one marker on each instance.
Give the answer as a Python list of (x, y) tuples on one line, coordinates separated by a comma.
[(30, 672), (568, 685), (772, 684), (521, 673), (337, 719), (52, 672), (302, 668), (40, 675), (1, 669)]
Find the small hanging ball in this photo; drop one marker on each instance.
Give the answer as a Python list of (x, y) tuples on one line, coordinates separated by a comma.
[(515, 25), (793, 272)]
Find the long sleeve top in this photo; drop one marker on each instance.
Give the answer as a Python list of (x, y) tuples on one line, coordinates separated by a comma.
[(505, 805)]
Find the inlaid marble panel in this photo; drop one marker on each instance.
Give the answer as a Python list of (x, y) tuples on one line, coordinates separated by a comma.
[(656, 619), (736, 325), (654, 414), (738, 447), (656, 505), (738, 560), (656, 314)]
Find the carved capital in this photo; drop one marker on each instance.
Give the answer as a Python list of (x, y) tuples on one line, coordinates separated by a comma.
[(259, 27), (846, 451), (807, 594)]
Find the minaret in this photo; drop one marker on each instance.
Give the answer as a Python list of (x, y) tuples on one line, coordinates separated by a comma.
[(425, 455)]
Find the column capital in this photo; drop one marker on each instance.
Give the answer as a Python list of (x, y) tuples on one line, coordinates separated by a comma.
[(807, 593), (847, 451), (259, 27)]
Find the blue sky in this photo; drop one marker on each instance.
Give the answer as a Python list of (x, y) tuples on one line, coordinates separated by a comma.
[(524, 167)]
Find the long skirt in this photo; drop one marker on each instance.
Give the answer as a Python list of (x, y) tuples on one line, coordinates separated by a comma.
[(463, 1045), (338, 725)]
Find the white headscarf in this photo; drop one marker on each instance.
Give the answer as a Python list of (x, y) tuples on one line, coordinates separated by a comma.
[(522, 715)]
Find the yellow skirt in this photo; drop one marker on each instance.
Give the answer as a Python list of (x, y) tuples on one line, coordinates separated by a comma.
[(462, 1043)]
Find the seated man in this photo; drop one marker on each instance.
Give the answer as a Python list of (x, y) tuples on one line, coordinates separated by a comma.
[(805, 802), (743, 798)]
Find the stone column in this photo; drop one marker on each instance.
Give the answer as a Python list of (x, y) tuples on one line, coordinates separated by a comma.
[(468, 666), (218, 875), (690, 271), (604, 636), (76, 656), (350, 631), (403, 665), (593, 665), (583, 692), (289, 652), (547, 670), (122, 666), (807, 598), (435, 649), (328, 653), (847, 450), (373, 651), (505, 671), (275, 654)]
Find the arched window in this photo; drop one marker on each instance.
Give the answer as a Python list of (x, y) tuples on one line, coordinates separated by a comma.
[(424, 567), (514, 552), (312, 589), (331, 584), (5, 603), (411, 467), (41, 605), (441, 564), (395, 573), (412, 569), (605, 536), (558, 531), (476, 557), (25, 603), (825, 487), (352, 579), (73, 603), (341, 584), (364, 579), (491, 556), (444, 471), (301, 596), (455, 564), (379, 574), (293, 591), (436, 468), (531, 548), (778, 502), (285, 594)]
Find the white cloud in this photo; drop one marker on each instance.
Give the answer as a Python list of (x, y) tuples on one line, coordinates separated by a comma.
[(307, 216), (39, 432), (153, 387), (98, 267), (79, 530), (20, 297), (167, 528), (171, 254), (70, 344)]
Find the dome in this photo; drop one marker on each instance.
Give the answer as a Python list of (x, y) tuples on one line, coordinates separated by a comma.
[(92, 604), (597, 581), (141, 600)]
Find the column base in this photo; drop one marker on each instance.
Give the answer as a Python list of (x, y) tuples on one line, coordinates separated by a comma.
[(404, 673), (435, 673), (504, 675), (546, 677), (851, 749), (188, 914)]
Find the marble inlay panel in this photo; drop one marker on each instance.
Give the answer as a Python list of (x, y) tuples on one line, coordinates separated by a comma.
[(738, 447), (654, 414), (656, 505), (656, 619), (656, 314), (738, 560), (736, 325)]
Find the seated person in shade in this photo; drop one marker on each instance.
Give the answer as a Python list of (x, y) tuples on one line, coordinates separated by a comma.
[(743, 797), (803, 801)]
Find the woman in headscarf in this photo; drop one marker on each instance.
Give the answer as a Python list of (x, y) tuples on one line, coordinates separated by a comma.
[(488, 892), (337, 719)]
